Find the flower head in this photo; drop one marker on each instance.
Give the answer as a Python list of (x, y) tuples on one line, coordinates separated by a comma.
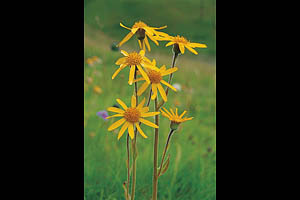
[(155, 77), (131, 116), (174, 117), (142, 30), (179, 43), (103, 114), (133, 60)]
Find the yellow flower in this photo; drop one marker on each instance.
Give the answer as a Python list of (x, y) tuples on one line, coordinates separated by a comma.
[(131, 116), (97, 90), (142, 30), (90, 61), (180, 43), (133, 60), (174, 117), (155, 76)]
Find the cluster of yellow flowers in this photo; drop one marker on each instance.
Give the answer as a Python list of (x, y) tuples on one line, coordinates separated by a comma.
[(152, 76)]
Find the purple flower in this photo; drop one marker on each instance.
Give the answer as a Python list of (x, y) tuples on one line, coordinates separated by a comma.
[(103, 114)]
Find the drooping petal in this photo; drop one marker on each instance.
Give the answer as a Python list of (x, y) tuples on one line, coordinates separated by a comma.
[(126, 38), (148, 123), (125, 26), (169, 44), (122, 104), (116, 124), (123, 129), (140, 44), (197, 45), (142, 88), (152, 38), (140, 130), (118, 71), (192, 50), (162, 92), (154, 91), (148, 30), (147, 43), (131, 74), (143, 73), (149, 114), (133, 101), (116, 110), (169, 71), (167, 84), (160, 27), (134, 30), (181, 47), (130, 130)]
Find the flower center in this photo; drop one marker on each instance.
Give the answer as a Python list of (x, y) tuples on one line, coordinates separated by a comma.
[(134, 59), (154, 76), (180, 39), (132, 115)]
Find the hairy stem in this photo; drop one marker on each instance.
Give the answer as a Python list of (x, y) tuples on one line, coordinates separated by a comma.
[(165, 151), (155, 175), (134, 147)]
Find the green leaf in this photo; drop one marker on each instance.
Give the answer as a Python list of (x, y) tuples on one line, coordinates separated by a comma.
[(165, 166)]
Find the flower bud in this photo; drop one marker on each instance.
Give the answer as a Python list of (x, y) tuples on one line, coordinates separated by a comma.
[(174, 125)]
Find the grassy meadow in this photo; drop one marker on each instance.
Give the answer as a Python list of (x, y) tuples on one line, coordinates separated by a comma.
[(192, 170)]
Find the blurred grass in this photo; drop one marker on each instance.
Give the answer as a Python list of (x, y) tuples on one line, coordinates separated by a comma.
[(192, 171)]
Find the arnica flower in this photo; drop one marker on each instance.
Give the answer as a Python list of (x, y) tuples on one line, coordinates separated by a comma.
[(174, 117), (131, 116), (180, 43), (142, 30), (155, 76), (133, 60)]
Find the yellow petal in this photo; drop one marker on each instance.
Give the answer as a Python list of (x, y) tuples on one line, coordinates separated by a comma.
[(148, 30), (140, 130), (169, 71), (147, 44), (118, 71), (192, 50), (181, 47), (116, 110), (154, 91), (160, 27), (131, 74), (162, 92), (140, 44), (138, 79), (123, 129), (176, 112), (126, 38), (197, 45), (170, 43), (142, 52), (145, 109), (152, 38), (116, 124), (182, 114), (122, 104), (133, 31), (130, 130), (148, 123), (140, 106), (154, 62), (133, 101), (124, 53), (172, 111), (143, 73), (167, 112), (121, 61), (125, 26), (142, 88), (164, 114), (167, 84), (149, 114), (163, 68), (116, 115), (187, 119)]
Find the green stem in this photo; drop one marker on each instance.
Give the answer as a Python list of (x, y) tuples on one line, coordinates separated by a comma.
[(155, 175), (165, 151), (128, 168), (134, 147)]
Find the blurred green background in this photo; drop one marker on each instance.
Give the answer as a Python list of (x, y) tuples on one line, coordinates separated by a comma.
[(192, 171)]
